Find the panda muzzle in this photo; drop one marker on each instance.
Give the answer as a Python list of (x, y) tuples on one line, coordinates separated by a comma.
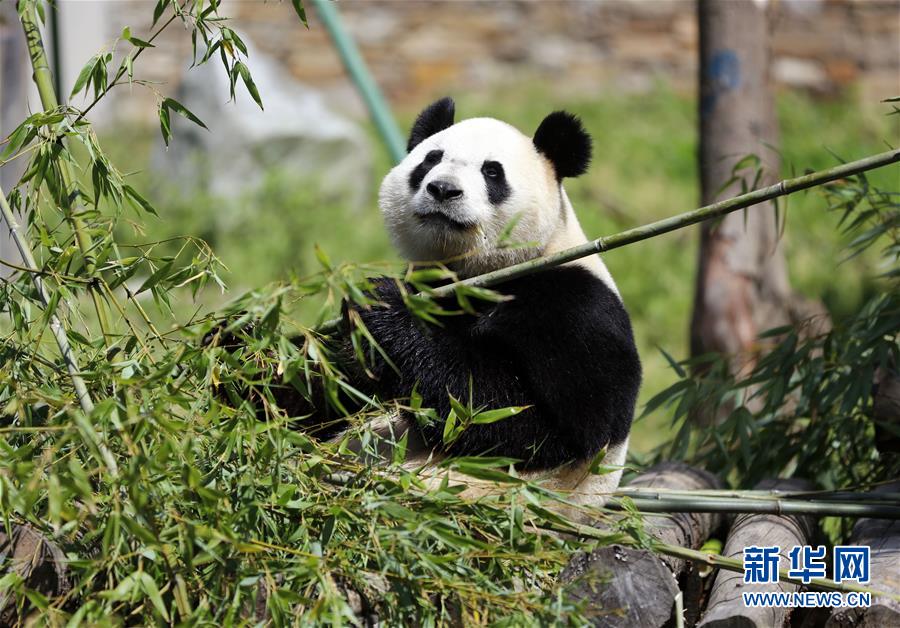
[(443, 191), (439, 218)]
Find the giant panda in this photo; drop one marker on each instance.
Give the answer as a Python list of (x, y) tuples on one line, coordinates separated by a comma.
[(559, 344)]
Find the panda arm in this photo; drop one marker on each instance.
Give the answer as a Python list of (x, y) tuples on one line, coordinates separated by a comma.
[(571, 339), (562, 346), (436, 361)]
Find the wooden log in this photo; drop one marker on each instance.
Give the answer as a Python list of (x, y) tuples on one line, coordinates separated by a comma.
[(623, 586), (37, 560), (883, 537), (725, 608)]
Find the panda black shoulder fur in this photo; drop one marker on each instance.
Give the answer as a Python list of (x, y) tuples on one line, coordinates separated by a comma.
[(562, 344)]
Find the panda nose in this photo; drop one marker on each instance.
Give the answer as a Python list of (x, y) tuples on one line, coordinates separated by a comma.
[(443, 190)]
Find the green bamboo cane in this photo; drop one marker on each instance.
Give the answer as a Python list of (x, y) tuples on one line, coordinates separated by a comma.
[(59, 332), (43, 79), (818, 496), (679, 221), (770, 506)]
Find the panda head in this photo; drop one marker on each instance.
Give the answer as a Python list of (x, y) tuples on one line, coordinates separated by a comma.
[(463, 184)]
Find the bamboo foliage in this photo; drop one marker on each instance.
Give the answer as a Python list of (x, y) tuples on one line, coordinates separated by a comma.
[(171, 505), (59, 332), (176, 505)]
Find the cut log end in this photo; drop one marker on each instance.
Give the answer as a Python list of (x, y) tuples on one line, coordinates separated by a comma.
[(621, 586), (726, 608)]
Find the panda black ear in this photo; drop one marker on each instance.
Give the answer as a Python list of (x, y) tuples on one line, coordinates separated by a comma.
[(434, 118), (562, 139)]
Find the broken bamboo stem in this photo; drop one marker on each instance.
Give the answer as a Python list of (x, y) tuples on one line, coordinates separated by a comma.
[(659, 227)]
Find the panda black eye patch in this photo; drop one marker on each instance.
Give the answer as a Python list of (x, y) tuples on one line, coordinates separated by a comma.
[(432, 159), (495, 178)]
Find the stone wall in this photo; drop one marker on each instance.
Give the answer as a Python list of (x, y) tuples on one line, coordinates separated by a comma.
[(418, 49)]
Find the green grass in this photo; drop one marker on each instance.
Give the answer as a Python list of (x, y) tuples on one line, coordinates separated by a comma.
[(644, 169)]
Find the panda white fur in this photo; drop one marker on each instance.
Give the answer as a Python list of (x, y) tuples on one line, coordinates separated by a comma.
[(561, 345)]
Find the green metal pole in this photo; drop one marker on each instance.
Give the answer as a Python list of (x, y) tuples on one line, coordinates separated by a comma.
[(362, 78)]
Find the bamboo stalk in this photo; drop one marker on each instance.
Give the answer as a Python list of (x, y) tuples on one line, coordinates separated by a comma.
[(679, 221), (59, 332), (43, 79), (819, 496), (659, 227), (773, 506)]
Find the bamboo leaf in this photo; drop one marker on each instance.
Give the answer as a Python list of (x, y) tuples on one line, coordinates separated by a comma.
[(22, 135), (451, 433), (156, 277), (322, 257), (673, 363), (159, 10), (244, 72), (84, 76), (138, 200), (165, 125), (140, 43), (301, 12), (483, 473), (149, 587), (492, 416), (171, 103)]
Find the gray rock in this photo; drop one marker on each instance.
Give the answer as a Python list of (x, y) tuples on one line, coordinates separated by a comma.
[(297, 135)]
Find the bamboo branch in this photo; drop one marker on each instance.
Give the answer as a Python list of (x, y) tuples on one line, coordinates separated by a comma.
[(43, 79), (59, 332), (772, 507), (820, 496), (679, 221), (121, 71)]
